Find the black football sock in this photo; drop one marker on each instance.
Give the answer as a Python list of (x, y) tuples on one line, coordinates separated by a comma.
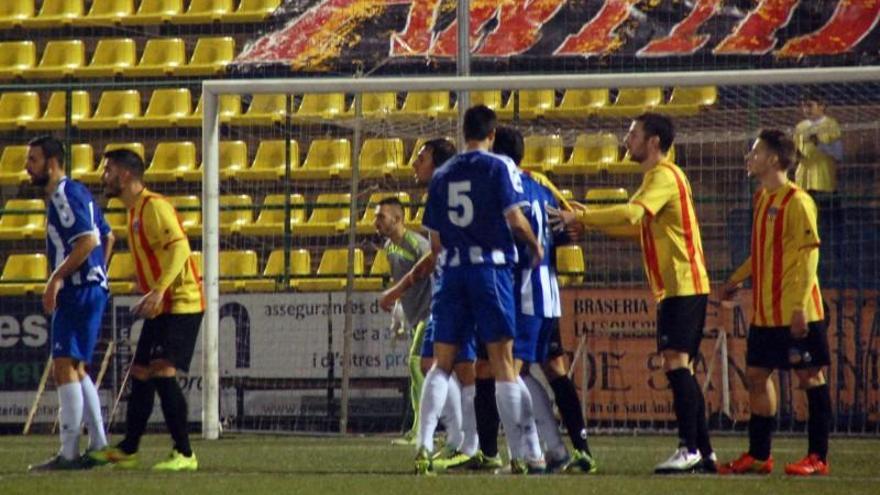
[(703, 442), (684, 402), (175, 411), (140, 406), (819, 422), (569, 405), (487, 416), (760, 436)]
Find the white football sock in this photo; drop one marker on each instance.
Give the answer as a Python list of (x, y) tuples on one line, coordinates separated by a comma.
[(508, 397), (434, 391), (451, 415), (70, 398), (92, 414), (531, 442), (469, 421), (548, 429)]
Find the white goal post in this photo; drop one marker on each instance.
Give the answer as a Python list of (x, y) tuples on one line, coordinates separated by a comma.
[(212, 89)]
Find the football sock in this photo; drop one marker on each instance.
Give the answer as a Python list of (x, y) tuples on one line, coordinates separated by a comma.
[(469, 421), (703, 442), (92, 414), (487, 416), (508, 396), (570, 409), (548, 430), (531, 441), (175, 411), (819, 424), (684, 402), (451, 414), (140, 406), (434, 392), (415, 387), (760, 435), (70, 397)]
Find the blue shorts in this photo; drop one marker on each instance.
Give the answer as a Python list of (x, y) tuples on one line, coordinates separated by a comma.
[(532, 338), (466, 353), (76, 322), (474, 300)]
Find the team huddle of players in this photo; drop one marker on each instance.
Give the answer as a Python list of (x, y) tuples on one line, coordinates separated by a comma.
[(483, 298)]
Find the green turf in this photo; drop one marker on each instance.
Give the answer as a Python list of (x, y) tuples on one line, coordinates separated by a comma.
[(249, 464)]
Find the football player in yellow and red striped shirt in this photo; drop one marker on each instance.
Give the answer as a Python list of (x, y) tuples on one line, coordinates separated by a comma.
[(789, 326), (676, 270), (172, 308)]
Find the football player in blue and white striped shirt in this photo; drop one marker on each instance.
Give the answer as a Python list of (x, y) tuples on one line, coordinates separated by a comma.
[(78, 244)]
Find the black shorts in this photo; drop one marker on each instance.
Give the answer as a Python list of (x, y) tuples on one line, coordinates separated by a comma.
[(171, 337), (775, 348), (680, 322)]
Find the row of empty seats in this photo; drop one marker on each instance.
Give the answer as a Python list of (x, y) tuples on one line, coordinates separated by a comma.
[(115, 57), (325, 159), (239, 271), (61, 13), (328, 215), (173, 108)]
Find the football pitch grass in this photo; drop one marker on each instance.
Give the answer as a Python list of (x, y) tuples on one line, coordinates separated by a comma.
[(257, 464)]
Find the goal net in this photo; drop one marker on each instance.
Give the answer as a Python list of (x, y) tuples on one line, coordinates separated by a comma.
[(294, 339)]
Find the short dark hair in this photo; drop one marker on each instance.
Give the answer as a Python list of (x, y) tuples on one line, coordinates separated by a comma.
[(391, 200), (128, 160), (479, 122), (780, 144), (441, 150), (50, 146), (509, 142), (814, 94), (658, 125)]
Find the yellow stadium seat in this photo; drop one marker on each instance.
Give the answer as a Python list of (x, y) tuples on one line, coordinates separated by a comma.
[(209, 57), (365, 224), (230, 106), (237, 264), (16, 57), (155, 12), (166, 108), (379, 157), (55, 13), (591, 153), (19, 223), (332, 271), (321, 106), (233, 159), (17, 109), (542, 152), (117, 217), (54, 117), (492, 99), (161, 57), (94, 176), (236, 211), (263, 110), (300, 265), (252, 11), (189, 211), (82, 159), (630, 102), (115, 109), (204, 12), (24, 274), (111, 58), (121, 274), (378, 105), (416, 221), (13, 13), (270, 221), (270, 161), (424, 104), (605, 196), (580, 103), (106, 13), (326, 158), (570, 265), (329, 216), (535, 103), (60, 59), (171, 161), (12, 165), (689, 100)]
